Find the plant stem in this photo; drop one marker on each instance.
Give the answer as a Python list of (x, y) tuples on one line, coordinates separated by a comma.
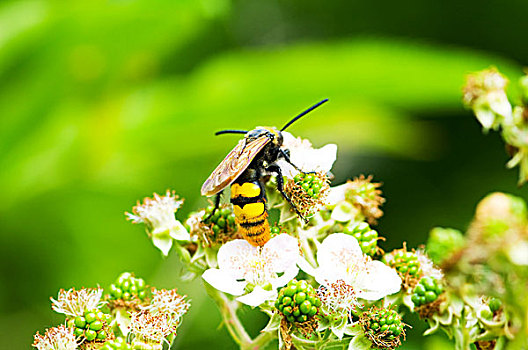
[(260, 341), (307, 251), (228, 310)]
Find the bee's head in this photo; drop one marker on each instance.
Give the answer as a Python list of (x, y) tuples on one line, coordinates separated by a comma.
[(267, 131)]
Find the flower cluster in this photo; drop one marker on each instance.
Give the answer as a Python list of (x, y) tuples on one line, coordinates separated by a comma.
[(98, 321), (157, 214), (56, 338), (324, 282), (485, 94)]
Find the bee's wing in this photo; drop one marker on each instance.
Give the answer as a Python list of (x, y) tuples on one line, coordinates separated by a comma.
[(233, 165)]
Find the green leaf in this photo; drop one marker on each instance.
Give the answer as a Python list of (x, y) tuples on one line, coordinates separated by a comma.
[(353, 329), (360, 342)]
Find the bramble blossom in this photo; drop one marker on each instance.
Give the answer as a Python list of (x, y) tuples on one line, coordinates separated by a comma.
[(304, 156), (75, 302), (56, 338), (151, 328), (340, 258), (243, 267), (167, 302), (157, 214)]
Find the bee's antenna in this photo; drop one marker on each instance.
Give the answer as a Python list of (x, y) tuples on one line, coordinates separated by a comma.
[(303, 113), (230, 132)]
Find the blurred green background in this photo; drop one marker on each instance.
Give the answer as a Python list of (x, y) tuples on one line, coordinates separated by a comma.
[(105, 102)]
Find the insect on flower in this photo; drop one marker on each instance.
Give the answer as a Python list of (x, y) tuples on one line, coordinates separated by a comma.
[(243, 168)]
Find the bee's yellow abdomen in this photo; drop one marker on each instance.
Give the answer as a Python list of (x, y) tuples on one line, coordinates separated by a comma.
[(249, 211), (256, 231), (247, 189), (249, 206)]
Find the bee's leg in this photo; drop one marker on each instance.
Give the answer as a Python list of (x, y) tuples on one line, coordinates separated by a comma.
[(280, 186), (216, 207), (285, 153)]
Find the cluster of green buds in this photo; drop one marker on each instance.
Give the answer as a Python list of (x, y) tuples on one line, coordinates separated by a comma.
[(92, 326), (307, 191), (427, 291), (117, 344), (406, 263), (298, 302), (366, 237), (366, 195), (222, 221), (310, 183), (384, 327), (127, 288), (443, 243)]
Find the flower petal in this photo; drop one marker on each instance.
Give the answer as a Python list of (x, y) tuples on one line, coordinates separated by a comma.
[(234, 255), (344, 211), (288, 275), (336, 250), (179, 232), (336, 194), (377, 281), (163, 243), (257, 296), (306, 267), (283, 250), (224, 281), (305, 157)]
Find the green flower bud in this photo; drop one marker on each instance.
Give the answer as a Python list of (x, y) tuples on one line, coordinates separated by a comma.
[(305, 307), (101, 335), (299, 297), (90, 334), (89, 316), (125, 285), (443, 242), (495, 304), (96, 325), (80, 322)]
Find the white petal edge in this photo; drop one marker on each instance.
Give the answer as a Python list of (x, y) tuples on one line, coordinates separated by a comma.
[(179, 232), (163, 243), (343, 212), (224, 281), (336, 194), (288, 275), (257, 296), (377, 281)]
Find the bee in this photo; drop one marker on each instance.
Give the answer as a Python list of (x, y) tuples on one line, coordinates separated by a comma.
[(243, 169)]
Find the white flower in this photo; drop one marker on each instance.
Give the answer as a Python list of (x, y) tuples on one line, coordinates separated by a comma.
[(152, 328), (56, 338), (167, 302), (242, 265), (485, 94), (158, 215), (338, 297), (341, 258), (305, 157), (75, 302)]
